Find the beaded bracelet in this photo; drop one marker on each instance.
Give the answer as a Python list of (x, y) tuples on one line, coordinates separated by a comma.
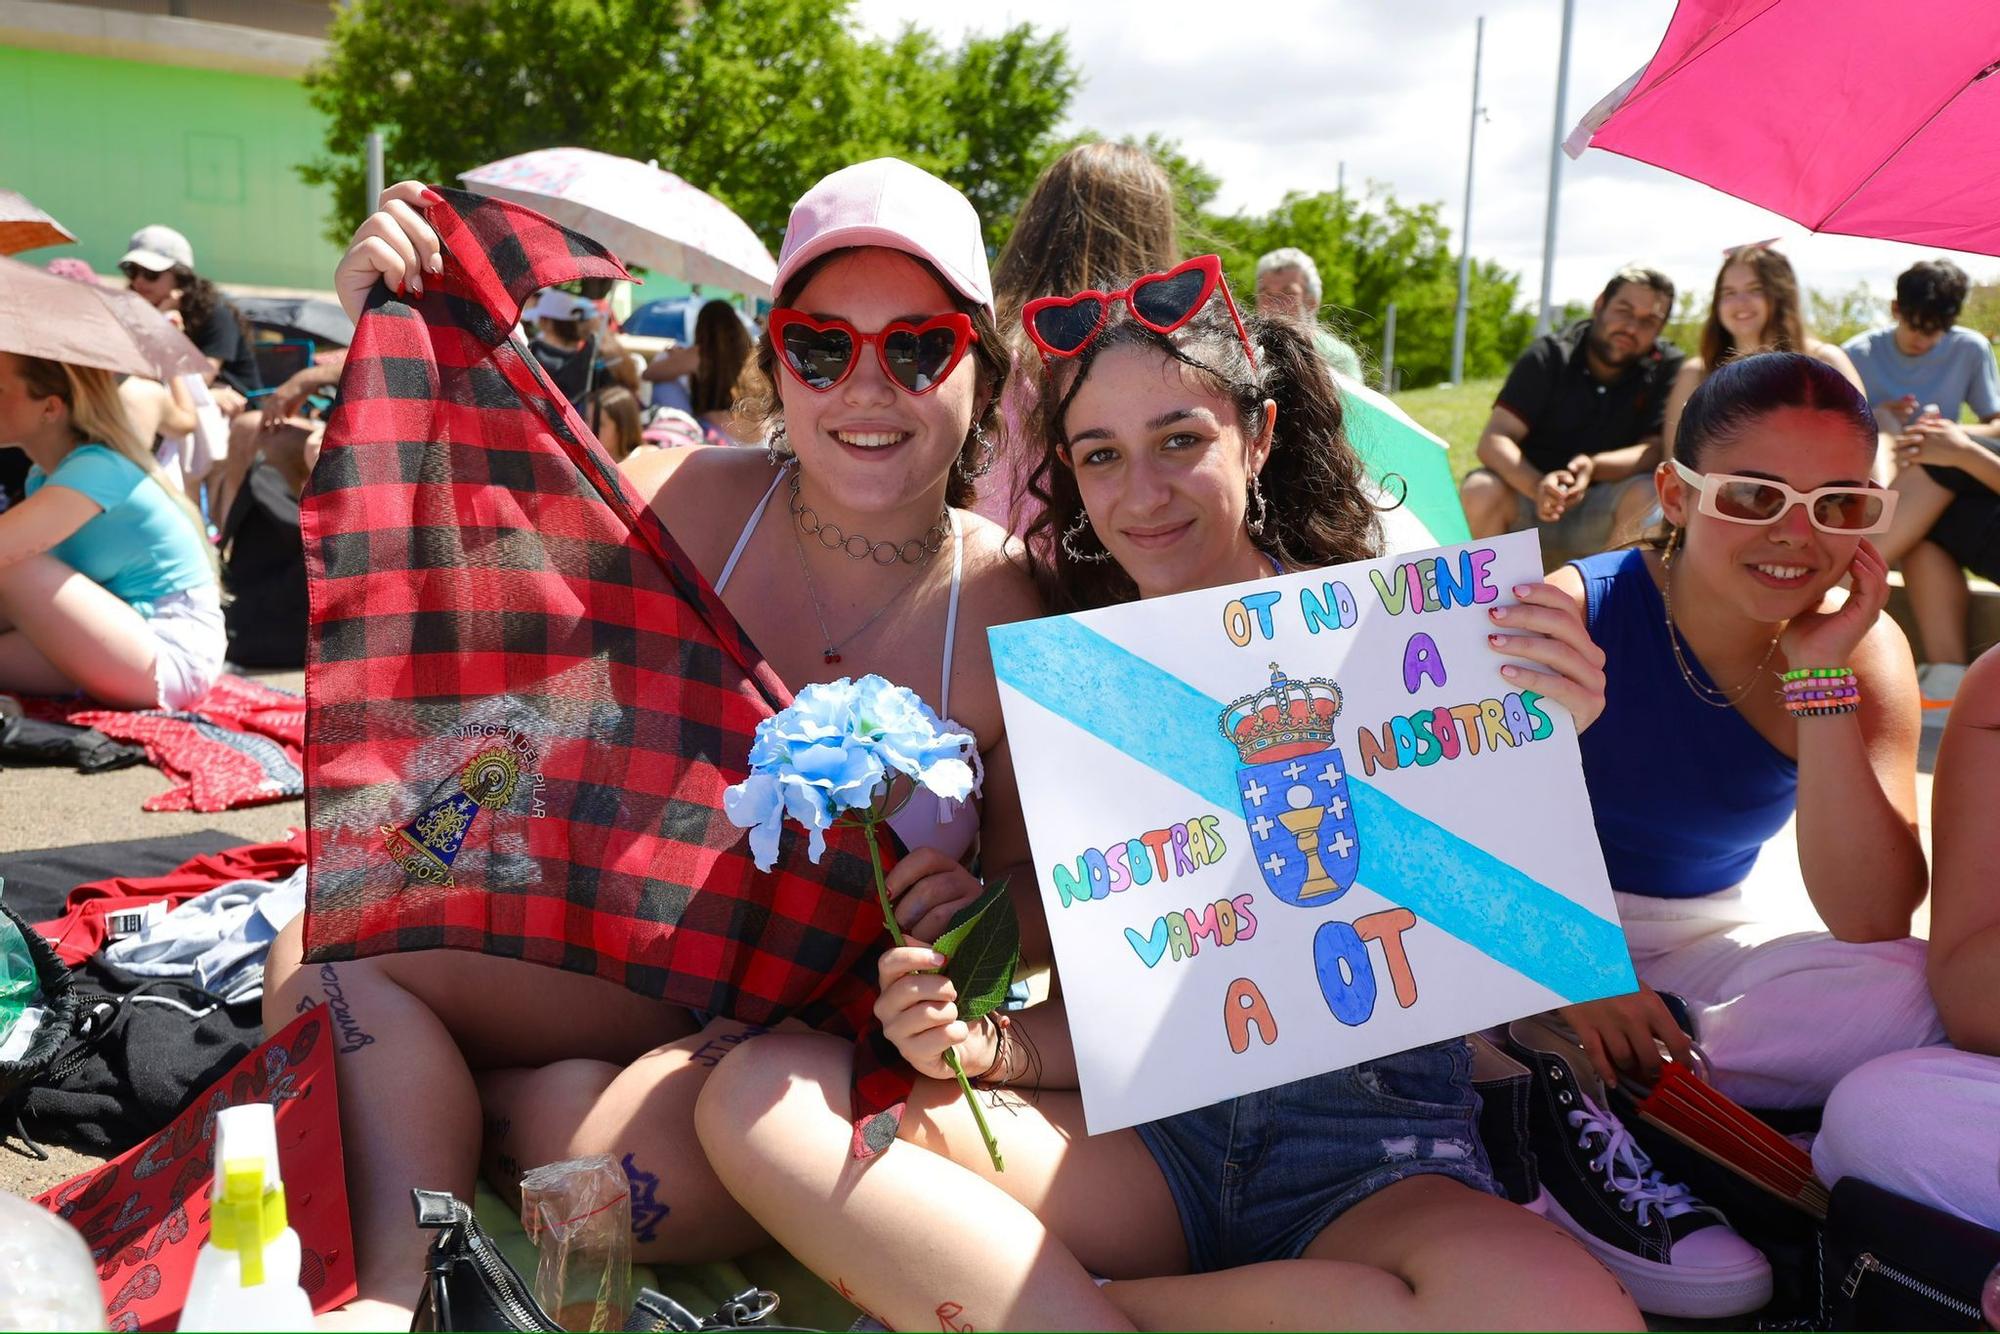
[(1816, 692)]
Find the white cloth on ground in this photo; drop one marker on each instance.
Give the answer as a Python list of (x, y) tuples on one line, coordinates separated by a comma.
[(1782, 1008), (218, 940), (1925, 1124)]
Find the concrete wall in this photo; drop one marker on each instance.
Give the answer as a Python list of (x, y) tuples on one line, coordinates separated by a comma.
[(109, 145)]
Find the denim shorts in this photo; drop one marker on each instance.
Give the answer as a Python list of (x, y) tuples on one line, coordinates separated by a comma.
[(1258, 1177)]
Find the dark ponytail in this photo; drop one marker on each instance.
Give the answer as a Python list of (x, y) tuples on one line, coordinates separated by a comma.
[(1743, 389), (1318, 510)]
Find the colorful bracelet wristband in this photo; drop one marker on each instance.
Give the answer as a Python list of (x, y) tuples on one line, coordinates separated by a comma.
[(1814, 673)]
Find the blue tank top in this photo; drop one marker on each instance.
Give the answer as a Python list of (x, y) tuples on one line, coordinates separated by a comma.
[(1683, 793)]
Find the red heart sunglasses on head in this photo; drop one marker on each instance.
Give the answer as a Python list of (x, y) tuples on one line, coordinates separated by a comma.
[(918, 357), (1063, 326)]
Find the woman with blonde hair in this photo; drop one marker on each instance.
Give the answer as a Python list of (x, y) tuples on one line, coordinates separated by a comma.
[(107, 581), (1099, 211)]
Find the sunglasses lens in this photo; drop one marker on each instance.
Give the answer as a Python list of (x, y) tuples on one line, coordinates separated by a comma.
[(1067, 328), (1167, 302), (1748, 501), (819, 357), (1848, 510), (918, 360)]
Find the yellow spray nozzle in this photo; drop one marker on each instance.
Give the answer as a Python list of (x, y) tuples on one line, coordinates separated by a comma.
[(248, 1217)]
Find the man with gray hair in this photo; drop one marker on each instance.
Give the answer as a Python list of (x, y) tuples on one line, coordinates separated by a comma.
[(1288, 288), (1574, 436)]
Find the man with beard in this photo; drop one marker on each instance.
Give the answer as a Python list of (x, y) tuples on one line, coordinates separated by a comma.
[(1575, 434)]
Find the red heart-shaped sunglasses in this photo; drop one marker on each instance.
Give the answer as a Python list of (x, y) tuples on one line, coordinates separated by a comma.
[(918, 357), (1063, 326)]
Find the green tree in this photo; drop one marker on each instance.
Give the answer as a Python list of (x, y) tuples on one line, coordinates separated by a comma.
[(751, 100)]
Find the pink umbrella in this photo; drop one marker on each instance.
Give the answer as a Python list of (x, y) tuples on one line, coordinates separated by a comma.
[(641, 214), (43, 315), (25, 227), (1864, 117)]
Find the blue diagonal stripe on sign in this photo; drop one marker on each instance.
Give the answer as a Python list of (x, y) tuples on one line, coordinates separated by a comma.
[(1169, 726)]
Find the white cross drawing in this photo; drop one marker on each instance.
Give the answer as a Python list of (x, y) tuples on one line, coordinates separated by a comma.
[(1293, 770), (1262, 827), (1342, 845), (1338, 808), (1330, 774), (1274, 863), (1256, 791)]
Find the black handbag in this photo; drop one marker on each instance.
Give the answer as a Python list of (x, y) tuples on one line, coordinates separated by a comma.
[(1892, 1263), (469, 1285)]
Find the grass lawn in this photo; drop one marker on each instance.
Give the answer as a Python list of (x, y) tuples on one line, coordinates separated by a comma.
[(1455, 412)]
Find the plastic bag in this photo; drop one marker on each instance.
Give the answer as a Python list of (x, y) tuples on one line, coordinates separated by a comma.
[(20, 985), (579, 1215)]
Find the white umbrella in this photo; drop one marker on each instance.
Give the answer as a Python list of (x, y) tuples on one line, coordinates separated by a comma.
[(641, 214)]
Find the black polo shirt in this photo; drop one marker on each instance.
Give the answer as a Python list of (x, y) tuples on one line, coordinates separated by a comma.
[(1570, 412)]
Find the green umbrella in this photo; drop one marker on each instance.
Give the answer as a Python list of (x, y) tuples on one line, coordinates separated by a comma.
[(1392, 447)]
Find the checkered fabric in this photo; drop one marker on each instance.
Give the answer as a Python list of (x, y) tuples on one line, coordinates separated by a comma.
[(523, 700)]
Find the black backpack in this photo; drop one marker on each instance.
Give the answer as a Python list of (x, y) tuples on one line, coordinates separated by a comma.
[(264, 571)]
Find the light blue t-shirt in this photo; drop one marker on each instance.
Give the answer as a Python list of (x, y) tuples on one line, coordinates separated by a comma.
[(142, 547), (1958, 371)]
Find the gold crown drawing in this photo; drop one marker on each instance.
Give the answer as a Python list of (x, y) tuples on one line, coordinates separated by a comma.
[(1289, 717)]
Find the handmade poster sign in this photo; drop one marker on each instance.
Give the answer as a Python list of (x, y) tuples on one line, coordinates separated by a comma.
[(1285, 827)]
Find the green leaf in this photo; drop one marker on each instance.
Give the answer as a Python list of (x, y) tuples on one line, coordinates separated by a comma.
[(983, 944)]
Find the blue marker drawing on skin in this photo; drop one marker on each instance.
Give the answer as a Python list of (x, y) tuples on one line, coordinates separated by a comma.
[(1103, 688), (647, 1212)]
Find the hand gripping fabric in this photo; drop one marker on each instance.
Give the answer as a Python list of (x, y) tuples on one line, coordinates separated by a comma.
[(523, 700)]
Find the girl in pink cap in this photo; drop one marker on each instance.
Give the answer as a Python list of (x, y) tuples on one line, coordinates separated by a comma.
[(842, 550)]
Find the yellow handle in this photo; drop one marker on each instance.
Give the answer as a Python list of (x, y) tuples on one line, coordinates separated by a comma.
[(248, 1217)]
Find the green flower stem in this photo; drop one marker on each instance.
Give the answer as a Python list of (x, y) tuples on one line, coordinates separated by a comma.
[(951, 1054)]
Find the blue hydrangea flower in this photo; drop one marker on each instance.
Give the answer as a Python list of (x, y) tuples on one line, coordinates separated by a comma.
[(834, 751)]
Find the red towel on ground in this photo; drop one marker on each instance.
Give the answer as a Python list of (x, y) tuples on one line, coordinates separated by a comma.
[(524, 701), (238, 745), (85, 925)]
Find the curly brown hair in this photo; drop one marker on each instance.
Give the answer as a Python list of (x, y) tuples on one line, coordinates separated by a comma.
[(1319, 511), (989, 356)]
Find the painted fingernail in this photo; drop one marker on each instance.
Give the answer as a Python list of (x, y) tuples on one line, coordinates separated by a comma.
[(1510, 671), (1496, 640), (1498, 613), (417, 285), (1520, 590), (938, 960), (435, 264), (431, 196)]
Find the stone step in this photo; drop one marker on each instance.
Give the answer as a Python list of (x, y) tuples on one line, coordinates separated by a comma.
[(1983, 617)]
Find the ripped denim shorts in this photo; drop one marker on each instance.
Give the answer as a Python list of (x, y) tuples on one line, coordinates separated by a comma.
[(1258, 1177)]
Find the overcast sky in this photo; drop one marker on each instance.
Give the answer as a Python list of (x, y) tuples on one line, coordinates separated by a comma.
[(1272, 95)]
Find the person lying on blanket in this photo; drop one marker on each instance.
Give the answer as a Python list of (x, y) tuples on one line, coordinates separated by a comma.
[(107, 580)]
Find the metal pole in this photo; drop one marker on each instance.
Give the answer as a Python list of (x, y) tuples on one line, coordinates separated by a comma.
[(1555, 171), (1465, 233), (374, 168), (1389, 350)]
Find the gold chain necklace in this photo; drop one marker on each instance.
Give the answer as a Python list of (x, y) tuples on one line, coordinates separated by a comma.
[(1712, 696), (830, 653)]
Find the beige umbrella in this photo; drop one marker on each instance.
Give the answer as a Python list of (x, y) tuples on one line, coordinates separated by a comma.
[(25, 227), (42, 315)]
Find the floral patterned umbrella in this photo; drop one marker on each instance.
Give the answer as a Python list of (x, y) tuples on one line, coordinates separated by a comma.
[(641, 214)]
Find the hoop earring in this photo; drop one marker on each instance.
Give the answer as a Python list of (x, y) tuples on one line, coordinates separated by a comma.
[(1077, 530), (775, 447), (1256, 525), (984, 450)]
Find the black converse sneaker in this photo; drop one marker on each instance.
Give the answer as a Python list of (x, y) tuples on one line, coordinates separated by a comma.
[(1676, 1255)]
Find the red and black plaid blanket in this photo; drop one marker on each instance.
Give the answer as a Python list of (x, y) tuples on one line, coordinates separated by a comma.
[(523, 700)]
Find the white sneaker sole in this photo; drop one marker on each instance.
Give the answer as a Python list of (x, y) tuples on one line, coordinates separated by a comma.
[(1663, 1289)]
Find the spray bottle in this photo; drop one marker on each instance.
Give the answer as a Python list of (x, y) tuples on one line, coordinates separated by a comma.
[(247, 1275)]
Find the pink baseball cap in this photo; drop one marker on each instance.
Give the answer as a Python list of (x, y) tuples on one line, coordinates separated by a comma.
[(889, 203)]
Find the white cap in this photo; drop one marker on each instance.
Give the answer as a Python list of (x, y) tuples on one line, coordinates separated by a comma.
[(245, 1133), (159, 249), (552, 303), (888, 202)]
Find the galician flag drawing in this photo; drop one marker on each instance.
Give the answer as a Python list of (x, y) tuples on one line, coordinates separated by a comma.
[(1285, 827)]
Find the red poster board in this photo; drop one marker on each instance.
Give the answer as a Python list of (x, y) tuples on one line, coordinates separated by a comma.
[(144, 1214)]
